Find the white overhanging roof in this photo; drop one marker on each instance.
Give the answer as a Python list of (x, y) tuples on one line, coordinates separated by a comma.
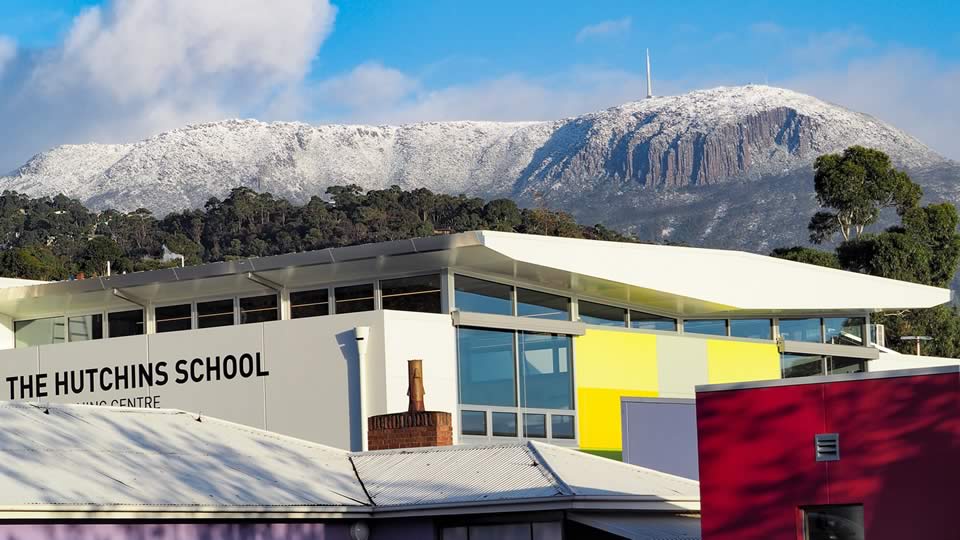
[(732, 280), (78, 461), (679, 280)]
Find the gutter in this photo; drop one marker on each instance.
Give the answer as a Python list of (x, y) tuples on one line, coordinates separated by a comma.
[(45, 512)]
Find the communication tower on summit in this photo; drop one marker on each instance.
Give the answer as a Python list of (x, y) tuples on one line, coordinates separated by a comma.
[(649, 84)]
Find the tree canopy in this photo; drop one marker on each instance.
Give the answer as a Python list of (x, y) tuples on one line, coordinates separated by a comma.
[(923, 248), (855, 186), (55, 237)]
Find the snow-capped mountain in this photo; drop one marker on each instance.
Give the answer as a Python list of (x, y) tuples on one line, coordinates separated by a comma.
[(647, 154)]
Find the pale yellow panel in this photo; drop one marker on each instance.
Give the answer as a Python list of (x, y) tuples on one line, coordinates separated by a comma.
[(732, 361), (598, 413), (610, 359)]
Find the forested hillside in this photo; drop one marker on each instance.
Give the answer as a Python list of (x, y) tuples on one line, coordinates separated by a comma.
[(51, 238)]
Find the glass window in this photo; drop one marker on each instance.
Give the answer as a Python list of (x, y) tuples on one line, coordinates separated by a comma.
[(473, 422), (546, 377), (479, 296), (844, 330), (256, 309), (800, 330), (592, 313), (711, 327), (561, 426), (486, 367), (125, 323), (174, 318), (751, 328), (85, 327), (215, 313), (542, 305), (313, 303), (504, 424), (353, 298), (419, 293), (535, 425), (38, 332), (835, 522), (649, 321), (801, 365), (840, 364)]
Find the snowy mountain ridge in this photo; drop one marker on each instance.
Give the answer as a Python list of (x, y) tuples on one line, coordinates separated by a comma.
[(702, 138)]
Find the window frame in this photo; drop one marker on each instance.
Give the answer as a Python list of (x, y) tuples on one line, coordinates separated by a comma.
[(106, 322), (803, 510), (378, 289), (309, 288), (238, 316), (517, 409), (452, 272), (196, 310), (375, 283), (103, 325), (188, 302)]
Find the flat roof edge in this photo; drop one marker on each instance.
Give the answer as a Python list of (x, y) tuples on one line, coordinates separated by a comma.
[(820, 379), (342, 254)]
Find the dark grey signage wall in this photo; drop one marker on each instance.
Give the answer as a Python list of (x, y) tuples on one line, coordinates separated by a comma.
[(661, 434)]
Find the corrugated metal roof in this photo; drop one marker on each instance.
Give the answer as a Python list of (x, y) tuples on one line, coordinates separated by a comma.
[(454, 474), (509, 472), (81, 456), (585, 474), (78, 458)]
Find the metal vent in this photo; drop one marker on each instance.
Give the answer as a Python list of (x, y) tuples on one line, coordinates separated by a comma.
[(827, 446)]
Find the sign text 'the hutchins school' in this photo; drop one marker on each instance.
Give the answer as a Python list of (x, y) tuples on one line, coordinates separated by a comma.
[(132, 376)]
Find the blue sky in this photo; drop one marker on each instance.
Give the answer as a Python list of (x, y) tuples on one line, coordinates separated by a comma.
[(112, 71)]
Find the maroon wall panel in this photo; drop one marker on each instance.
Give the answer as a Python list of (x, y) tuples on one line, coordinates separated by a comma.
[(899, 453), (899, 456), (756, 460)]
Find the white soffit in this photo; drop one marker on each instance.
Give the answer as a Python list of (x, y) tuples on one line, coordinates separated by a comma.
[(743, 281)]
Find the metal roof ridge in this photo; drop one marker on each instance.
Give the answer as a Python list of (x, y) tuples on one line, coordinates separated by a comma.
[(433, 449), (363, 485), (617, 464), (564, 488)]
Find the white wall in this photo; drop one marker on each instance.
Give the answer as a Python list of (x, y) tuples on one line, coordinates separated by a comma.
[(892, 361), (7, 340), (428, 337)]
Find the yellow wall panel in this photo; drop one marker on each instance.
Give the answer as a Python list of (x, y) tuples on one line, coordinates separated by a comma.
[(611, 364), (599, 412), (609, 359), (732, 361)]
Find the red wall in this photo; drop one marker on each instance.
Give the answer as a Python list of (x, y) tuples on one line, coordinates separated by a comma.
[(899, 457)]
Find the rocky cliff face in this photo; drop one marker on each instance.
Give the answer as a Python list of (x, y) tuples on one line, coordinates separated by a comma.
[(725, 167), (708, 137)]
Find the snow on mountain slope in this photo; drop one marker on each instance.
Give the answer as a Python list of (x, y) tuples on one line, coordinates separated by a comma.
[(700, 138)]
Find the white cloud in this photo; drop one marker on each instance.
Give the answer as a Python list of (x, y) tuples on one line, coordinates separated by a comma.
[(605, 28), (370, 85), (513, 97), (8, 50), (132, 68), (822, 47), (910, 89)]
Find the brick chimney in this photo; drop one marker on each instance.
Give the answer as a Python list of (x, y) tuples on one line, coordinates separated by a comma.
[(414, 428)]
